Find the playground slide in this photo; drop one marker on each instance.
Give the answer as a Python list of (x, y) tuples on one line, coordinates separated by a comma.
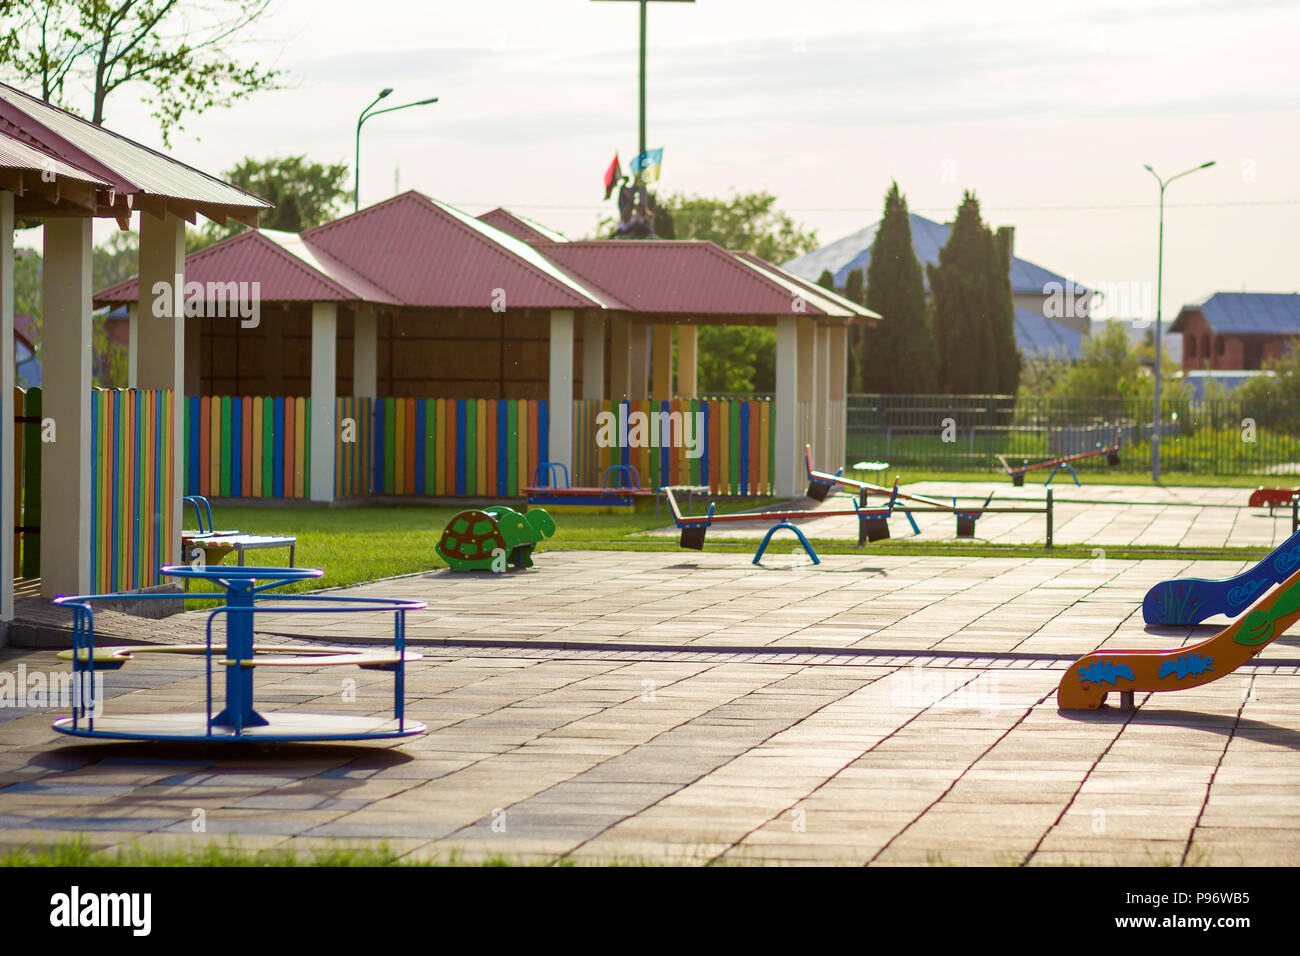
[(1192, 600), (1089, 679)]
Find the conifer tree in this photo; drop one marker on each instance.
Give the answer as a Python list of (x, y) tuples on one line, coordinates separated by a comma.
[(898, 356), (968, 305)]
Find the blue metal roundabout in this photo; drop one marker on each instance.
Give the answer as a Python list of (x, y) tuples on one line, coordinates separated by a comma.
[(235, 718)]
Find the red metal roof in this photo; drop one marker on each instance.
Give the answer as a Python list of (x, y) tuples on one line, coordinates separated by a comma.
[(520, 227), (129, 168), (428, 254), (678, 276), (250, 257), (829, 301)]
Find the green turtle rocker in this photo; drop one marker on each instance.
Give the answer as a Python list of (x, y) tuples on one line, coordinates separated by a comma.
[(493, 539)]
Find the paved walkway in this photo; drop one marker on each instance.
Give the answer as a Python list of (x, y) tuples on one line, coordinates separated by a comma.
[(689, 709), (1104, 516)]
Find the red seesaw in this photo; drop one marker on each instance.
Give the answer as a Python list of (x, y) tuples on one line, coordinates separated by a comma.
[(1017, 475)]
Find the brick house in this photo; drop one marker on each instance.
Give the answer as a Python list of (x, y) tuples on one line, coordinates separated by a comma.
[(1237, 330)]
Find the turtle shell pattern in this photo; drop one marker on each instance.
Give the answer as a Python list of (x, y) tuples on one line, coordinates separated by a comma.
[(471, 536)]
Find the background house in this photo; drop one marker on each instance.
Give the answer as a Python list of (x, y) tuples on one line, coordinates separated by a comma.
[(1237, 331), (1051, 316)]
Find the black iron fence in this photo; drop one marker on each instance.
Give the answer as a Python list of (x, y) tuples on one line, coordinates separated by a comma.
[(969, 432)]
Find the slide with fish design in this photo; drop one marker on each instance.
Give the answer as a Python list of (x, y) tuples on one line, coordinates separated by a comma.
[(1192, 600), (1089, 679)]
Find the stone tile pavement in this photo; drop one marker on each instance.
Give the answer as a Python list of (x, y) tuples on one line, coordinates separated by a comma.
[(661, 708)]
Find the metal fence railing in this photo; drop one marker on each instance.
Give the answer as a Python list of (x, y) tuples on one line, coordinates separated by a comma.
[(968, 432)]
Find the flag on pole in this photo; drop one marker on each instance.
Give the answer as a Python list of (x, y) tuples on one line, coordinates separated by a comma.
[(648, 163), (612, 176)]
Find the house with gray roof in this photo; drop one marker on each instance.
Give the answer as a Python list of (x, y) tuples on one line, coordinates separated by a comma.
[(1052, 312), (1237, 330)]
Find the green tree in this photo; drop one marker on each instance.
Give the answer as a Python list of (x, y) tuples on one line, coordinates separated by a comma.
[(898, 356), (180, 56), (1114, 366), (1274, 396), (826, 280), (854, 287), (747, 222), (972, 308), (736, 358), (1006, 353), (305, 194)]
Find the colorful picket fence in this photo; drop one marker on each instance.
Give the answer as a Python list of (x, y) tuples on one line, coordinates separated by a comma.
[(725, 444), (261, 447), (249, 447), (27, 482), (132, 524), (444, 447), (477, 448)]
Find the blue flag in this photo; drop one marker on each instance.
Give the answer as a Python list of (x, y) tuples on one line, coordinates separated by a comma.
[(649, 162)]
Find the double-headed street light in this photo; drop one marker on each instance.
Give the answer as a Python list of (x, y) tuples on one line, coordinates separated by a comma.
[(1160, 268), (365, 115)]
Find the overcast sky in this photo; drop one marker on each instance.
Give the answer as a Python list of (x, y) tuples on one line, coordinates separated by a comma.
[(1048, 111)]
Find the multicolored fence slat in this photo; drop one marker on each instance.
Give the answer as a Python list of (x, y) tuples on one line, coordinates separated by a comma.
[(725, 444), (132, 523)]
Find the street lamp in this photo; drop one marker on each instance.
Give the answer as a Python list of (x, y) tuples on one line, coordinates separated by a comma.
[(365, 115), (1160, 268)]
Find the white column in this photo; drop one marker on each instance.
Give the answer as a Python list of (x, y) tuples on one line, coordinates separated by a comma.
[(160, 355), (620, 357), (65, 376), (806, 346), (785, 449), (662, 362), (560, 405), (193, 356), (640, 362), (838, 377), (593, 355), (822, 397), (365, 352), (688, 338), (133, 341), (6, 414), (324, 359)]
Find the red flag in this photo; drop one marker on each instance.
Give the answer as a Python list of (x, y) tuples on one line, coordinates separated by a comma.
[(612, 176)]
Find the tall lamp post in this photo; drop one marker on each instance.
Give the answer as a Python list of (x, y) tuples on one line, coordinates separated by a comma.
[(1160, 269), (365, 115)]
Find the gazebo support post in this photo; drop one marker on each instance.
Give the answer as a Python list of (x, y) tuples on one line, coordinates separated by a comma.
[(6, 414), (365, 352), (593, 356), (838, 380), (160, 342), (65, 372), (806, 348), (640, 362), (662, 362), (324, 390), (785, 446), (688, 337), (620, 358), (560, 405), (822, 395)]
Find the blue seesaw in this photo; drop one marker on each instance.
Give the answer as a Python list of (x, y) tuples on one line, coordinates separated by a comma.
[(1192, 600)]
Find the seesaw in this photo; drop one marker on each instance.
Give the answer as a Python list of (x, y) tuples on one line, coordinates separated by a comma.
[(1017, 475), (876, 528), (1271, 497), (694, 528), (1089, 679), (1192, 600)]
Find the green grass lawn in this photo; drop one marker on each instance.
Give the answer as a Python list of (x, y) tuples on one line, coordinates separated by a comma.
[(1090, 476)]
